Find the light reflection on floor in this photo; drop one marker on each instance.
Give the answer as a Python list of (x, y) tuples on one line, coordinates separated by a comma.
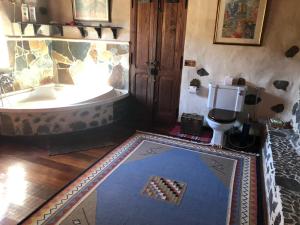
[(12, 188)]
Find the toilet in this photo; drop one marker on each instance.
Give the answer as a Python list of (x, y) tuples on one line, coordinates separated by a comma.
[(224, 103)]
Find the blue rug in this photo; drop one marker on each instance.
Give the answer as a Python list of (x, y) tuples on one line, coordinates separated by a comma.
[(158, 180)]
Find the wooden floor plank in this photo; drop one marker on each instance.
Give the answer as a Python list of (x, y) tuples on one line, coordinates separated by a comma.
[(44, 176), (8, 221), (29, 176)]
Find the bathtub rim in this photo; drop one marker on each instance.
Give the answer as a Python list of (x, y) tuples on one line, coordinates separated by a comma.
[(120, 94)]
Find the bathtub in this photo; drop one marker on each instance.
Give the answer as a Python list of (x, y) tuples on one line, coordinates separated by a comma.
[(56, 109)]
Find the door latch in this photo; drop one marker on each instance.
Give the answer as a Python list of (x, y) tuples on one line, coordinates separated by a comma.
[(153, 68)]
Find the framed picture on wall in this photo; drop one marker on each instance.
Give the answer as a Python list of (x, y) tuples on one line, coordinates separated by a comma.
[(91, 10), (240, 22)]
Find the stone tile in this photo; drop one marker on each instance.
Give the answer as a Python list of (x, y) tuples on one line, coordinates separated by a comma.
[(79, 50), (281, 84), (278, 108)]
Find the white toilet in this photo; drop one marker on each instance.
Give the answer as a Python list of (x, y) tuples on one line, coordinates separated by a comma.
[(224, 102)]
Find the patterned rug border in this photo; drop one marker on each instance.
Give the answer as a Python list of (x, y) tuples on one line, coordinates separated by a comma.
[(122, 152), (199, 143)]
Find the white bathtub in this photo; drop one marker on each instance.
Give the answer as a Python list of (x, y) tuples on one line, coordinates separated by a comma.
[(56, 109)]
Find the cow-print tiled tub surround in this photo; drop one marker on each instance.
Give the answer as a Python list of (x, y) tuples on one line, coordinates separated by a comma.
[(63, 120), (281, 164)]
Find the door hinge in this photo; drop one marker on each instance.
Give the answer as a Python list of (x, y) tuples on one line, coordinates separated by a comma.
[(181, 62), (131, 58), (186, 3), (159, 6)]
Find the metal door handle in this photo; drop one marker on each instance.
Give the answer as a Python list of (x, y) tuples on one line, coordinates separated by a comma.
[(153, 68)]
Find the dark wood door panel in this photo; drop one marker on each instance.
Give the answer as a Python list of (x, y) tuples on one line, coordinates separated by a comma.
[(142, 88), (143, 48), (170, 47), (157, 43), (165, 95), (167, 53), (167, 99), (143, 36)]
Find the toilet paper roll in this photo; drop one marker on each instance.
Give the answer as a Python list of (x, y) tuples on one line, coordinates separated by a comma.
[(193, 89)]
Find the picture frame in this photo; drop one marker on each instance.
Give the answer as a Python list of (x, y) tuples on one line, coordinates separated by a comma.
[(91, 10), (240, 22)]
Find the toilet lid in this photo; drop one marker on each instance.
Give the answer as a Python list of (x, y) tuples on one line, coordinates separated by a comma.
[(222, 115)]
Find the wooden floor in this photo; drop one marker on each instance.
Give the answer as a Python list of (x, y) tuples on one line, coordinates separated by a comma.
[(29, 176)]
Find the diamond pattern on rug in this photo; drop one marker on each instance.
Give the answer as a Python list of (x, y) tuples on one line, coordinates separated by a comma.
[(163, 189)]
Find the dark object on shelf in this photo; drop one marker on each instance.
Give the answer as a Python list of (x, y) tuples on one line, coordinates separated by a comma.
[(292, 51), (43, 10), (36, 28), (83, 32), (82, 28), (202, 72), (115, 30), (191, 124), (99, 32)]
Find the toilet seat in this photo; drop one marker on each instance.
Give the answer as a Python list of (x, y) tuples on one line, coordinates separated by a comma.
[(222, 116)]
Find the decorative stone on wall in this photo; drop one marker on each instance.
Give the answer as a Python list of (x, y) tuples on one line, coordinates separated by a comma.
[(292, 51), (86, 63), (32, 62), (202, 72), (56, 122), (281, 84)]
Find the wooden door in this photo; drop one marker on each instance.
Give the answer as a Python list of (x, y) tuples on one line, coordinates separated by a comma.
[(157, 43)]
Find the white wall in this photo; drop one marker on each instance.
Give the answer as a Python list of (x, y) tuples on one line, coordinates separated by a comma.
[(260, 66)]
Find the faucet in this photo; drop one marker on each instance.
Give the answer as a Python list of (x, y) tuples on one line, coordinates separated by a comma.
[(6, 81)]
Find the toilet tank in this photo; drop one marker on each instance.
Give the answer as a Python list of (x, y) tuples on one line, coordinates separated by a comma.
[(226, 97)]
